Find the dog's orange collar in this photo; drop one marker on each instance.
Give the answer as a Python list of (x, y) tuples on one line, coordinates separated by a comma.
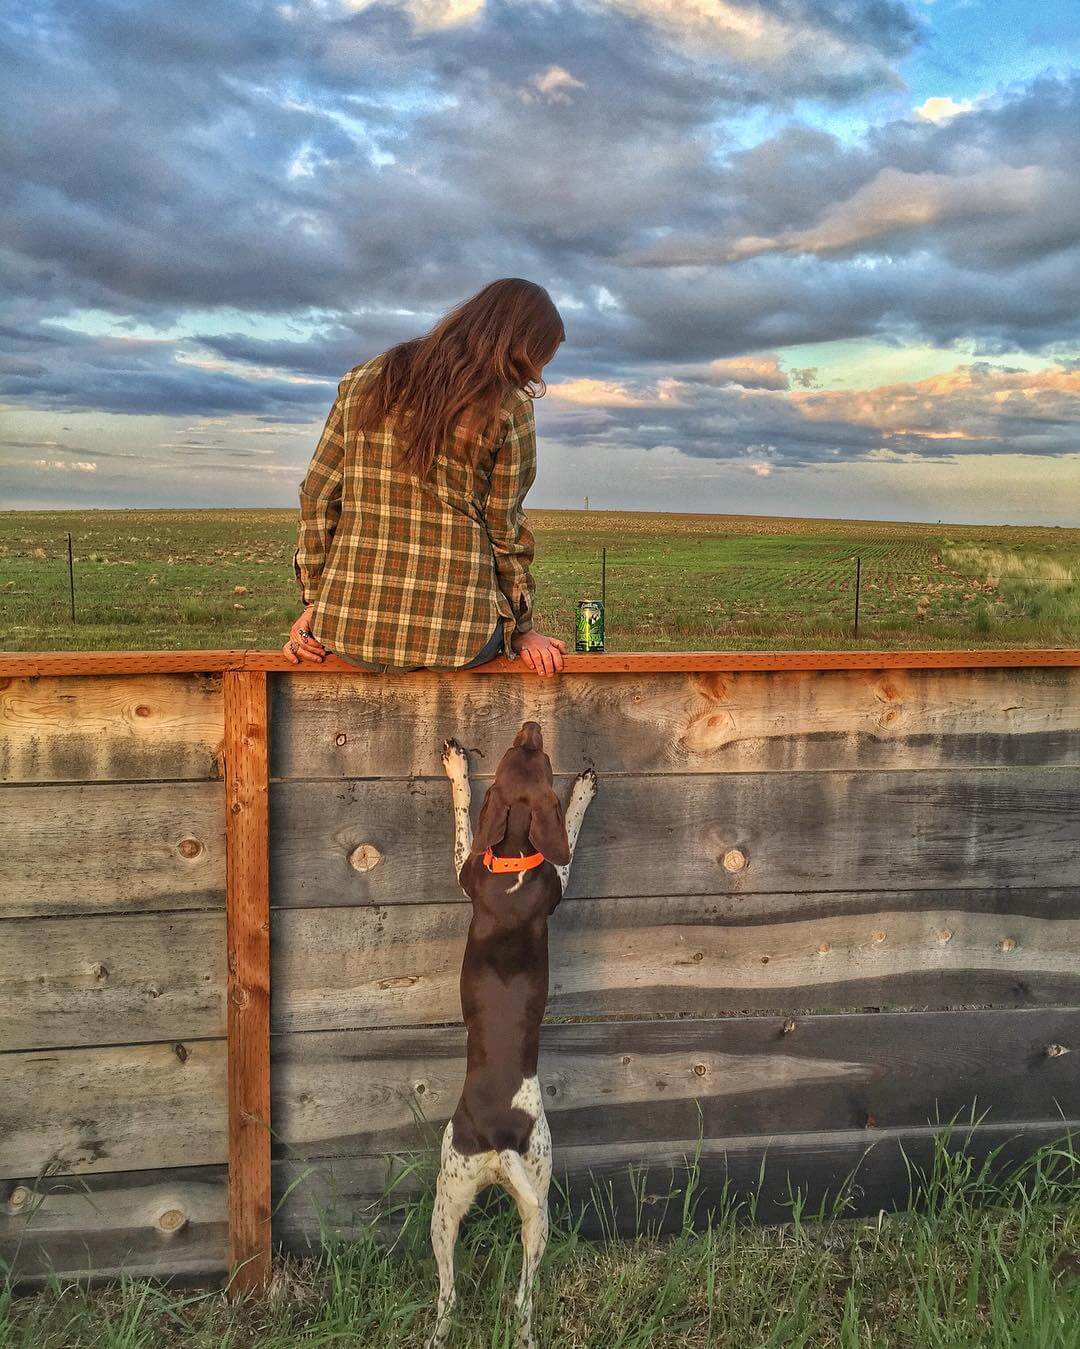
[(494, 863)]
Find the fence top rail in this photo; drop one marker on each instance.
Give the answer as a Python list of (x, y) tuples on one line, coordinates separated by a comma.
[(24, 663)]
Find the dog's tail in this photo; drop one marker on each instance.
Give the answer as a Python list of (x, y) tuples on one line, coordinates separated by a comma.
[(516, 1179)]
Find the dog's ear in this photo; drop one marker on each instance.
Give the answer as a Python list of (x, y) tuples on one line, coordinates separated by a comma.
[(547, 829), (492, 822)]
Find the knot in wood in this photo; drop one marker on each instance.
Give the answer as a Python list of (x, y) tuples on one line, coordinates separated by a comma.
[(699, 1070), (19, 1197), (734, 860), (181, 1052), (1055, 1051), (1008, 944), (789, 1026), (365, 858), (98, 970), (824, 948), (142, 710), (402, 981), (172, 1220), (189, 847), (340, 739), (240, 996), (877, 937), (945, 935)]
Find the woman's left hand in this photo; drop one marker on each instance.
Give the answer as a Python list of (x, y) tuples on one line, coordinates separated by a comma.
[(543, 655), (301, 645)]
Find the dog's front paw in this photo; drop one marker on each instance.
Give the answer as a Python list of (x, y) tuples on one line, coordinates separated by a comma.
[(455, 761), (585, 784)]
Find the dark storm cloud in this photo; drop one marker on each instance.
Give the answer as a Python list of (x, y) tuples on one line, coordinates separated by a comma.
[(149, 377), (358, 172)]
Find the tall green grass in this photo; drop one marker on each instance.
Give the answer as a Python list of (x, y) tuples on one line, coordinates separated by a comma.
[(984, 1261)]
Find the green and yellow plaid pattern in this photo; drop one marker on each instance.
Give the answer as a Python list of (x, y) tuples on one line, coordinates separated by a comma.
[(405, 572)]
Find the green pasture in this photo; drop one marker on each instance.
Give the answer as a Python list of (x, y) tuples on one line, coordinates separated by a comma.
[(171, 579)]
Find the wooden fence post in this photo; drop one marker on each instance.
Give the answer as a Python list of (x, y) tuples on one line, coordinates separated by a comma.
[(248, 941)]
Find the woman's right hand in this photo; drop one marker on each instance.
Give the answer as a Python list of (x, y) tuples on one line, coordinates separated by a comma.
[(543, 655), (301, 645)]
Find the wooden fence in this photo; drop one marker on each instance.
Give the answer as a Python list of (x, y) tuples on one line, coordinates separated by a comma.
[(231, 931)]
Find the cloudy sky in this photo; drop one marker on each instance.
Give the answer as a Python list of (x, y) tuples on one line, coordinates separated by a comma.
[(814, 257)]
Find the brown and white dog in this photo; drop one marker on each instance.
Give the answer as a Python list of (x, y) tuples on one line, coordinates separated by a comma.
[(514, 871)]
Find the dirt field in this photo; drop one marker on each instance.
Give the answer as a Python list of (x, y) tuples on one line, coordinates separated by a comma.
[(170, 579)]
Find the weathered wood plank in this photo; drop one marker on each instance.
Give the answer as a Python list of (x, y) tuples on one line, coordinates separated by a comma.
[(248, 937), (155, 1224), (124, 978), (702, 834), (100, 729), (129, 848), (123, 1108), (355, 726), (21, 663), (357, 1092), (626, 1188), (399, 965)]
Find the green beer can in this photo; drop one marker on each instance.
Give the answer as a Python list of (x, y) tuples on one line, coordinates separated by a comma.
[(590, 626)]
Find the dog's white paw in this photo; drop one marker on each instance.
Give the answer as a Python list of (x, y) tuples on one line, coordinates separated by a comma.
[(455, 760), (585, 785)]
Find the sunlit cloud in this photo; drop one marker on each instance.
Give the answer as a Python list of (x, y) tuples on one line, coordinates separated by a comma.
[(940, 110)]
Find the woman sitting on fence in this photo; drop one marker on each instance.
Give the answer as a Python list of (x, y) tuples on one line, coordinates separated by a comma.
[(414, 550)]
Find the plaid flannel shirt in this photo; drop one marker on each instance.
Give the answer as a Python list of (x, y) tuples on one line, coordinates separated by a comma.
[(409, 572)]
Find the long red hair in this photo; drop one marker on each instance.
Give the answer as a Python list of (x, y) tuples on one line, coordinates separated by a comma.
[(462, 370)]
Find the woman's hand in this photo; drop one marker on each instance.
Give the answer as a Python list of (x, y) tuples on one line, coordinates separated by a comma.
[(543, 655), (301, 645)]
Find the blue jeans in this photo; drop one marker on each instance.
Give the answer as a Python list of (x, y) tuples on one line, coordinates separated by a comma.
[(491, 648)]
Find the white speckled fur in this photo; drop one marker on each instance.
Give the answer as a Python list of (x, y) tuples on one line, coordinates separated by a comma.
[(580, 800), (527, 1098), (456, 766), (526, 1177)]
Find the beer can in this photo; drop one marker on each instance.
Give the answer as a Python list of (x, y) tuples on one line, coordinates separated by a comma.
[(590, 626)]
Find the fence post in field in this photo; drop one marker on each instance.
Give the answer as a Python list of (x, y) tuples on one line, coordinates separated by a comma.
[(71, 578), (248, 941)]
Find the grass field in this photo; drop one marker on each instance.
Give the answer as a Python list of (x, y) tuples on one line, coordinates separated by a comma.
[(981, 1265), (178, 579)]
